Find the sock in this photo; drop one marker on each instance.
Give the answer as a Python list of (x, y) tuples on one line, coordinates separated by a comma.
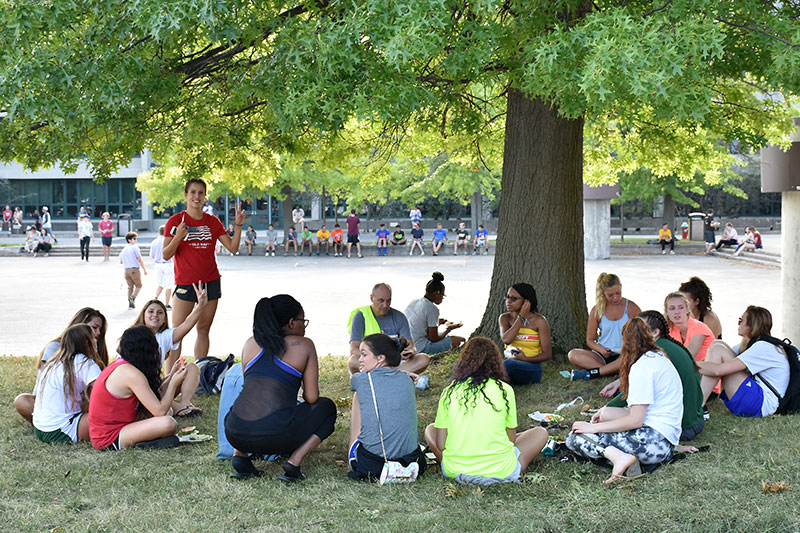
[(244, 465)]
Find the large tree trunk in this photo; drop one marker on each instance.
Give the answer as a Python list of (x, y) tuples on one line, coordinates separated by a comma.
[(540, 228)]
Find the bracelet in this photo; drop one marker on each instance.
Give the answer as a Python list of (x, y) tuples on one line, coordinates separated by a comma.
[(238, 225)]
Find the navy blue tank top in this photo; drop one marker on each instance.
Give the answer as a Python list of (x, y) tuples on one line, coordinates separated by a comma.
[(264, 366)]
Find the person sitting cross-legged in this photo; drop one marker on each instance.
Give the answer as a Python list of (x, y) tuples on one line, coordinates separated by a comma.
[(381, 317)]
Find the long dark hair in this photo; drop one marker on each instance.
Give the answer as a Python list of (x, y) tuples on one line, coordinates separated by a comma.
[(656, 320), (77, 339), (699, 291), (527, 291), (269, 318), (637, 339), (480, 361), (140, 319), (83, 316), (139, 347)]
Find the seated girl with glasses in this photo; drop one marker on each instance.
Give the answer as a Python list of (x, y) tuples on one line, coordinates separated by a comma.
[(526, 334), (265, 418)]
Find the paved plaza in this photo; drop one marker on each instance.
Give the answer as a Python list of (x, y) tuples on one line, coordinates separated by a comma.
[(39, 295)]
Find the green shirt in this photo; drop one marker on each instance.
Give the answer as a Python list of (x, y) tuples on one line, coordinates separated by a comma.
[(690, 379), (477, 442)]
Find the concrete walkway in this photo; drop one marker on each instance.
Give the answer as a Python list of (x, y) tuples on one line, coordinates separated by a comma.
[(39, 295)]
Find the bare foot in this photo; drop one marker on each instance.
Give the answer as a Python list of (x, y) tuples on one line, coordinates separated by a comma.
[(620, 460), (686, 449)]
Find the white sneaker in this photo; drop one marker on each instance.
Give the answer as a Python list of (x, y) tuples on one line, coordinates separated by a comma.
[(423, 252), (672, 252), (663, 252), (411, 252), (485, 252)]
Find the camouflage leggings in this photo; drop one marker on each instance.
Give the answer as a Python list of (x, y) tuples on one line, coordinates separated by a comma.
[(647, 444)]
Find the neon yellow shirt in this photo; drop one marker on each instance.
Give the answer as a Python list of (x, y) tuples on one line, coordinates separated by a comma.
[(477, 442)]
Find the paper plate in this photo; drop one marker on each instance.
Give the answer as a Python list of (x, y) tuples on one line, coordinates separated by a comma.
[(195, 437), (545, 417)]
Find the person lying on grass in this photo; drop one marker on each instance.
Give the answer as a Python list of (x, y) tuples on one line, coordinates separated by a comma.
[(24, 403), (63, 382), (747, 368), (391, 433), (474, 436), (127, 390), (265, 418), (154, 316), (648, 429)]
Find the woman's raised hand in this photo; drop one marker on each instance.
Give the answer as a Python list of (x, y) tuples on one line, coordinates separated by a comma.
[(525, 309), (239, 214), (202, 295)]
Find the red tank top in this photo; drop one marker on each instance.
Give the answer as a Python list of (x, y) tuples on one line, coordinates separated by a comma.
[(107, 413)]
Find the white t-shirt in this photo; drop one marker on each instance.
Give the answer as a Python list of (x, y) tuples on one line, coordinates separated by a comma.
[(129, 256), (85, 228), (421, 314), (165, 343), (770, 363), (653, 381), (52, 410)]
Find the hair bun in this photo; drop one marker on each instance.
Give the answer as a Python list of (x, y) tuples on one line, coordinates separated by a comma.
[(437, 276)]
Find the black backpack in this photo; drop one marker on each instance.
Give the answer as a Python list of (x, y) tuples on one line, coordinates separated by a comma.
[(790, 401), (212, 373)]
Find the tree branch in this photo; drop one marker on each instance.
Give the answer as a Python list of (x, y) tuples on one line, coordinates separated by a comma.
[(757, 30)]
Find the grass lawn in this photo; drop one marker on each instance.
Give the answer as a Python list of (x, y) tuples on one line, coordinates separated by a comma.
[(75, 488)]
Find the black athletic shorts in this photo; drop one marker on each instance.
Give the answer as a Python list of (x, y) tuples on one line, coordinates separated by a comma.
[(186, 292)]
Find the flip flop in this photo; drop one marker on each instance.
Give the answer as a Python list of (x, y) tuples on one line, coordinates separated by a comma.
[(189, 410)]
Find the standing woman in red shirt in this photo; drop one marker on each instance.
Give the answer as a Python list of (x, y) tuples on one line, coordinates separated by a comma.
[(189, 239)]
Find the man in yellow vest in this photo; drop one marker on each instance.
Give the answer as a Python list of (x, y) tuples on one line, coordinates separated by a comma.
[(380, 317)]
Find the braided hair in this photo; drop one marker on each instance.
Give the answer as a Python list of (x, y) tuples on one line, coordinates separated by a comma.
[(656, 321)]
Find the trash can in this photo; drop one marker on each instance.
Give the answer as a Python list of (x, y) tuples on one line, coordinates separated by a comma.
[(696, 222), (124, 224)]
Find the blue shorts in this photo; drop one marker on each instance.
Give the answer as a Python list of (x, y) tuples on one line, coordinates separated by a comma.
[(106, 241), (439, 346), (747, 399)]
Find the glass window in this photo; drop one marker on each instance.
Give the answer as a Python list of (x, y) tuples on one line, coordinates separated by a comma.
[(85, 195), (113, 192), (58, 198)]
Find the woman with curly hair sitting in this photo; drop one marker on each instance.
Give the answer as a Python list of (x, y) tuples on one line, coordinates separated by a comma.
[(474, 436)]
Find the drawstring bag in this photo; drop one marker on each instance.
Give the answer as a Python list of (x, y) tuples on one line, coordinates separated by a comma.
[(393, 471)]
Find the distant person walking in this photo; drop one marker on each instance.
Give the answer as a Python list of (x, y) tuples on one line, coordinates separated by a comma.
[(47, 222), (165, 270), (131, 258), (353, 228), (709, 226), (106, 228), (85, 233)]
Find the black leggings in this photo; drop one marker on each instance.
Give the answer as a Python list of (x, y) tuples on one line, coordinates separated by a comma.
[(85, 246), (310, 419)]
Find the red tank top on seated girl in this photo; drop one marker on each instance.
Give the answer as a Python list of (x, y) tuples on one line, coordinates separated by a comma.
[(108, 414)]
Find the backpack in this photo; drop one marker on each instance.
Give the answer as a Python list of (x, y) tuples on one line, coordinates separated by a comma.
[(790, 401), (212, 373)]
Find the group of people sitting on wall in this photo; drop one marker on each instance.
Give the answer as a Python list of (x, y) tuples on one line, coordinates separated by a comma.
[(669, 365)]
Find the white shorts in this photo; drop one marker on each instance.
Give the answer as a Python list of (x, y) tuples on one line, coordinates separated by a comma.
[(165, 275)]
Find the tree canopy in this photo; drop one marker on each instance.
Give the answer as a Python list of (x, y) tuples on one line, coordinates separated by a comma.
[(234, 84)]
